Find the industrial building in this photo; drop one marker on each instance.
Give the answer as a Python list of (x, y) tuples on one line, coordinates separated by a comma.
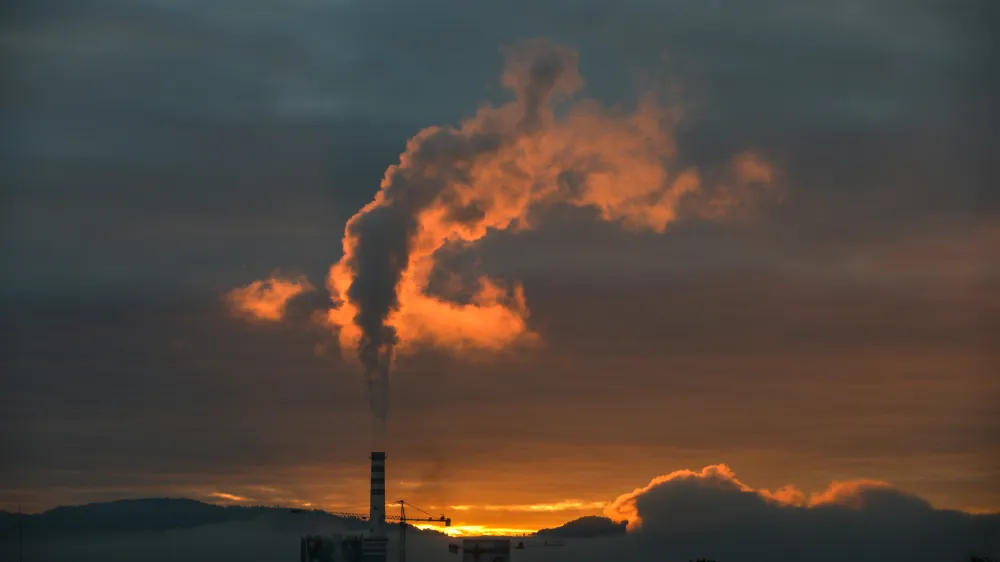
[(486, 550), (371, 548), (374, 547), (330, 548)]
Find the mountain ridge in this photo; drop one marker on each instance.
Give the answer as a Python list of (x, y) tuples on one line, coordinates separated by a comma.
[(585, 527), (151, 515)]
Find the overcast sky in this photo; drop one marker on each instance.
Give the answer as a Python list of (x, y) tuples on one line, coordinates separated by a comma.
[(157, 153)]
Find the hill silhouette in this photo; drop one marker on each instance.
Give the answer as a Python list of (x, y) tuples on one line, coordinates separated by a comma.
[(150, 515), (585, 528)]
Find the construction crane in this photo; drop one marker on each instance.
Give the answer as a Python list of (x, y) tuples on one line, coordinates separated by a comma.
[(403, 520)]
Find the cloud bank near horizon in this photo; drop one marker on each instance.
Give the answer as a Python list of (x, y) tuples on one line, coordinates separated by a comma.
[(711, 513), (684, 515)]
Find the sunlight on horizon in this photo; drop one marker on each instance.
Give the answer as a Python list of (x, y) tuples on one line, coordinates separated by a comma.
[(476, 530)]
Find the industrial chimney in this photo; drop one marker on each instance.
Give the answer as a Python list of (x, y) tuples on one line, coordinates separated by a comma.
[(375, 546)]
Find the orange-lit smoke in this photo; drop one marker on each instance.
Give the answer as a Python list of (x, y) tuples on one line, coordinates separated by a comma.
[(266, 300), (847, 494), (453, 185)]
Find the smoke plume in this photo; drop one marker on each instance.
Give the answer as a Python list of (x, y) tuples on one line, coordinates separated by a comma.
[(453, 185)]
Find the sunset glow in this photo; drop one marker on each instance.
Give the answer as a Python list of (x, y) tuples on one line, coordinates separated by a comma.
[(476, 530), (227, 497), (642, 280), (568, 505), (490, 519)]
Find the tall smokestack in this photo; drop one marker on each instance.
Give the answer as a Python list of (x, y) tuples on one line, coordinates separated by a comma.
[(375, 547), (376, 516)]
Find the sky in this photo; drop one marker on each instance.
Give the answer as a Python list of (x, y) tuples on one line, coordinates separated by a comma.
[(837, 324)]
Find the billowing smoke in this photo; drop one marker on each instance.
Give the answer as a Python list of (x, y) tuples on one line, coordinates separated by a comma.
[(453, 185)]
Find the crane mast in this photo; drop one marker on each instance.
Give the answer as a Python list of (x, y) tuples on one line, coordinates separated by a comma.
[(403, 519)]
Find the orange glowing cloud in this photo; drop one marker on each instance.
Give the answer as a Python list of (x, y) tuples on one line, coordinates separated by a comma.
[(266, 300), (847, 494), (733, 197), (625, 508), (565, 505), (227, 497), (751, 168)]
